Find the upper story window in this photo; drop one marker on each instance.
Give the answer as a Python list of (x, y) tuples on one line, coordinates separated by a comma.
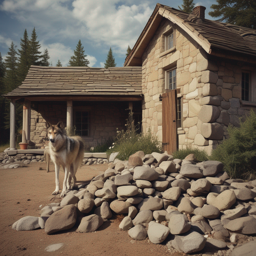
[(169, 41), (170, 79)]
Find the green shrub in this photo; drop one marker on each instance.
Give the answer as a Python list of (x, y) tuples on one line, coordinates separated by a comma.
[(103, 147), (199, 154), (128, 142), (238, 152)]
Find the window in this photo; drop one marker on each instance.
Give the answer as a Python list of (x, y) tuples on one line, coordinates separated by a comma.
[(246, 86), (170, 79), (178, 114), (82, 123), (169, 41)]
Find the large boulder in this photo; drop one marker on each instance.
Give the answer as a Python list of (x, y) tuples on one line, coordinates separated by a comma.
[(247, 249), (26, 223), (157, 233), (138, 232), (194, 242), (64, 219), (151, 203), (127, 191), (208, 211), (90, 223), (201, 186), (120, 207), (191, 171), (145, 173), (245, 225), (211, 168), (178, 224), (223, 201), (85, 205), (143, 217)]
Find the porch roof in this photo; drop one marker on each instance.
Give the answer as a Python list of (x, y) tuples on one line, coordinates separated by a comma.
[(79, 81)]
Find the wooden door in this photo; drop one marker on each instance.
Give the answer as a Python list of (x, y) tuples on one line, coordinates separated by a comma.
[(169, 124)]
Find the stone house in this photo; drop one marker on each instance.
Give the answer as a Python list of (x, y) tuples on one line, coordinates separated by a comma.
[(189, 77), (198, 76)]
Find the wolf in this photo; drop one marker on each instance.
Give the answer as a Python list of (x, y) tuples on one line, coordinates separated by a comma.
[(64, 151)]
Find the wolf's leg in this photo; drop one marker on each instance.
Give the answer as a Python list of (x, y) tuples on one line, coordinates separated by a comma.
[(65, 181), (47, 158), (72, 180), (69, 186), (57, 182)]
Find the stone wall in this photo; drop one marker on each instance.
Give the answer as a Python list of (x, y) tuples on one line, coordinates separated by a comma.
[(210, 90), (105, 118)]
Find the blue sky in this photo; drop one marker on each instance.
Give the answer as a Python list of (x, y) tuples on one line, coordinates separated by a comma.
[(99, 24)]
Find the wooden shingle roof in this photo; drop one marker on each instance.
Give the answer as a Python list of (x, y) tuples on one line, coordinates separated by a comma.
[(213, 36), (82, 81)]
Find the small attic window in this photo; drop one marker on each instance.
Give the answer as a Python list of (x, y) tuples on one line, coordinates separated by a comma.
[(169, 39)]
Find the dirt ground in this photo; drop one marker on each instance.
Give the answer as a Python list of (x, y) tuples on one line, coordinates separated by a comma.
[(24, 190)]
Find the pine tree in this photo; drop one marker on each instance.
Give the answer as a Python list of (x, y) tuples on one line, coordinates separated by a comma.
[(24, 58), (187, 6), (110, 61), (238, 12), (128, 51), (79, 58), (58, 64), (34, 46), (11, 82), (3, 132), (45, 59)]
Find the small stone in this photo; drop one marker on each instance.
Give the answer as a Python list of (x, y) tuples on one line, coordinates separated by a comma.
[(178, 224), (172, 193), (26, 223), (143, 217), (69, 199), (126, 223), (151, 203)]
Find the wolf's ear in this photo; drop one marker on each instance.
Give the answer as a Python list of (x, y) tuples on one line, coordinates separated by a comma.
[(60, 125), (47, 124)]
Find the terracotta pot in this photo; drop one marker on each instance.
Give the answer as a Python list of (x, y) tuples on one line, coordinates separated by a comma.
[(23, 145)]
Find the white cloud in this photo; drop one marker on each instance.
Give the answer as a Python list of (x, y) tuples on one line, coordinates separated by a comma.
[(92, 60), (113, 25), (102, 64), (5, 41)]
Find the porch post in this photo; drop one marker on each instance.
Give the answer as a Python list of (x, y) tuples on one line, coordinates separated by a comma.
[(28, 115), (12, 125), (24, 124), (69, 116)]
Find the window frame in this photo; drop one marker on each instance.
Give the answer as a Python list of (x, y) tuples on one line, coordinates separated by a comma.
[(88, 121), (243, 96), (166, 35), (167, 79), (179, 110)]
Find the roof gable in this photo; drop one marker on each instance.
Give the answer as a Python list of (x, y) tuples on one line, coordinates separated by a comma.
[(212, 36)]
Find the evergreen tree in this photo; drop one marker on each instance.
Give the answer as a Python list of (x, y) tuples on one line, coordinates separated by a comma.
[(128, 51), (11, 82), (238, 12), (45, 59), (24, 58), (3, 132), (79, 58), (34, 46), (110, 61), (187, 6), (58, 64)]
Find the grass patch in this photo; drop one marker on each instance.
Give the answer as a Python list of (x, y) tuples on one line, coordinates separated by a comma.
[(128, 141), (199, 154), (102, 147), (238, 152)]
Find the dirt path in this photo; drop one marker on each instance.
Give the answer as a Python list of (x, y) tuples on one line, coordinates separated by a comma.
[(23, 190)]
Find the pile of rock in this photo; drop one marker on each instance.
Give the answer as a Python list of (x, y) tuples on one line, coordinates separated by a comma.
[(188, 205)]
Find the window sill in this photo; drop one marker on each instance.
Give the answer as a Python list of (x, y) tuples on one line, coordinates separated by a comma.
[(248, 103), (168, 51)]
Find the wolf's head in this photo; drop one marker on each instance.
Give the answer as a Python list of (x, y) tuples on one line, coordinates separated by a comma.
[(56, 132)]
